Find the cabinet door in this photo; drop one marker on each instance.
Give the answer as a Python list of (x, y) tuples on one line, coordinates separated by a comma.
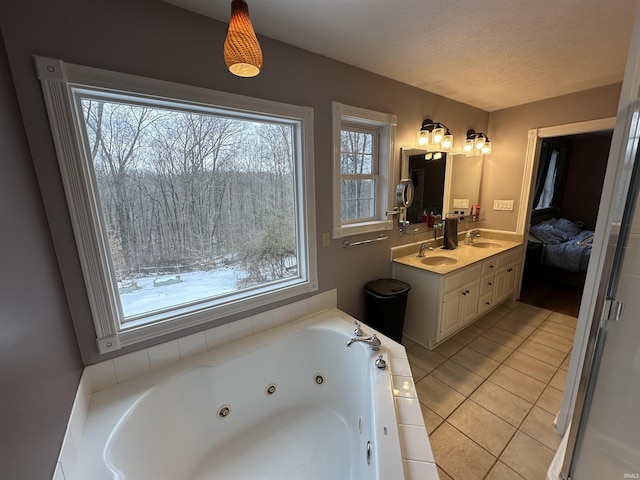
[(450, 320), (469, 302), (499, 285), (511, 276)]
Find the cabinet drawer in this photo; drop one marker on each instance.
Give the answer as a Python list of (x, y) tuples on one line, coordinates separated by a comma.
[(490, 265), (458, 279), (486, 284), (485, 302)]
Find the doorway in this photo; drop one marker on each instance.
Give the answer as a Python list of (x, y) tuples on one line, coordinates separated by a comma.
[(566, 195)]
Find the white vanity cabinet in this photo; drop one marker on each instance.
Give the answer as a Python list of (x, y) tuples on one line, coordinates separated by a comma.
[(439, 305)]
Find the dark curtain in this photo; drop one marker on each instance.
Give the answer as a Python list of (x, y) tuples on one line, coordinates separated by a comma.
[(563, 147)]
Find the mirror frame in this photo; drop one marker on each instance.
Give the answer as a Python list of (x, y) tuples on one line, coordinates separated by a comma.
[(405, 153)]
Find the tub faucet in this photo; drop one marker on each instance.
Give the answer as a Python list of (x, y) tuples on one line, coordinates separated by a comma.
[(423, 247), (372, 341)]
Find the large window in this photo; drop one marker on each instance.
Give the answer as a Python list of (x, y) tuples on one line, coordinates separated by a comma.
[(191, 204), (363, 146)]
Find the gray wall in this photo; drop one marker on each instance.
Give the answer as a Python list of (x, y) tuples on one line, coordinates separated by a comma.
[(39, 360), (154, 39)]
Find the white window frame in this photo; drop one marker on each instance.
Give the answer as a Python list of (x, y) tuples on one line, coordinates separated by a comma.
[(60, 83), (385, 124)]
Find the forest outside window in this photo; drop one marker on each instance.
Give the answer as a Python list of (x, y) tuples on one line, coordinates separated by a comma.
[(190, 210), (363, 153)]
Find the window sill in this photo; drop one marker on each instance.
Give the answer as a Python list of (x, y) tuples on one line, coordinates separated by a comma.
[(359, 228)]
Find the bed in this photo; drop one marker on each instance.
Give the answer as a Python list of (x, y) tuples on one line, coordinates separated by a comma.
[(558, 249)]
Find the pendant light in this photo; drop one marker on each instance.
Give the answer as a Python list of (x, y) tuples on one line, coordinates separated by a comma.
[(242, 52)]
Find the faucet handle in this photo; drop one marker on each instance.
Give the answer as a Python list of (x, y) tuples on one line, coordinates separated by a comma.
[(358, 330)]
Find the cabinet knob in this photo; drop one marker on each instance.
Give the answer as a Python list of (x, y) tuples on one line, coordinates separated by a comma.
[(509, 269), (490, 266), (489, 283), (488, 303)]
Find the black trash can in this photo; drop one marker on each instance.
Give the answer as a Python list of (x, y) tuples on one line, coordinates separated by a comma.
[(386, 306)]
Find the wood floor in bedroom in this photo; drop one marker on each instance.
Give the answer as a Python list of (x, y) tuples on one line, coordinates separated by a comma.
[(489, 394), (551, 296)]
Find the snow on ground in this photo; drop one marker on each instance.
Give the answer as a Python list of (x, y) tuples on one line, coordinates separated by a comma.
[(193, 287)]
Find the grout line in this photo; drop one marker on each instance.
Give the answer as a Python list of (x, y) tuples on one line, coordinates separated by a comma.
[(487, 379)]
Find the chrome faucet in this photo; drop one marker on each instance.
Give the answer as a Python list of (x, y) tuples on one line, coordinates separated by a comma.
[(468, 239), (372, 341), (423, 247)]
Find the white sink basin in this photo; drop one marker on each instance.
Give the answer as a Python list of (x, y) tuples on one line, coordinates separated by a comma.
[(486, 245), (438, 261)]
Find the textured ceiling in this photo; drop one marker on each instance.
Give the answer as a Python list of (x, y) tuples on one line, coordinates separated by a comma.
[(492, 54)]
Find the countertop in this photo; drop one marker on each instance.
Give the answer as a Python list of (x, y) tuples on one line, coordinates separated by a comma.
[(464, 255)]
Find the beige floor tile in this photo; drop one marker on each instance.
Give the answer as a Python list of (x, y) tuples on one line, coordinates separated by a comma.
[(542, 352), (448, 348), (526, 318), (474, 329), (565, 320), (457, 377), (539, 425), (518, 383), (513, 304), (552, 340), (502, 403), (483, 427), (431, 419), (515, 326), (550, 400), (490, 348), (443, 475), (501, 472), (531, 366), (503, 337), (491, 318), (558, 329), (527, 456), (464, 337), (532, 309), (502, 310), (424, 358), (559, 380), (482, 324), (460, 457), (565, 364), (476, 362), (439, 397), (416, 372)]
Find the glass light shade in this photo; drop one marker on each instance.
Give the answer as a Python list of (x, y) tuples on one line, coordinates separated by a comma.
[(480, 141), (437, 155), (468, 145), (438, 134), (486, 148), (242, 52), (447, 142), (423, 138)]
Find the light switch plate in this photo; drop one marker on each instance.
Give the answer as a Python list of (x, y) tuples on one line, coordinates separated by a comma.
[(460, 203), (503, 204), (326, 240)]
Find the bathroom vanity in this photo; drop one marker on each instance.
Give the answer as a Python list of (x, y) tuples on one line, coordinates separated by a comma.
[(452, 288)]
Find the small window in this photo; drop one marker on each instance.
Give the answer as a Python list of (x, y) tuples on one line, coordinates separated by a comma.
[(191, 204), (363, 158)]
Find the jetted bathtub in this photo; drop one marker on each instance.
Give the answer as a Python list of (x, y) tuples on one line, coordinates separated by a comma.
[(291, 403)]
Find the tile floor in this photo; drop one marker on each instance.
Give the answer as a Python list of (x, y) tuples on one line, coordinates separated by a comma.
[(490, 393)]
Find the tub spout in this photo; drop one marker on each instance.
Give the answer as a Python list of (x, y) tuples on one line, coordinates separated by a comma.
[(372, 341)]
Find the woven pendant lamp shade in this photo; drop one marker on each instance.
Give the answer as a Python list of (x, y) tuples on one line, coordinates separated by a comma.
[(242, 52)]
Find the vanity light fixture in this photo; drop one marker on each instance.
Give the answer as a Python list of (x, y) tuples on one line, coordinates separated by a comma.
[(435, 135), (242, 52), (476, 142)]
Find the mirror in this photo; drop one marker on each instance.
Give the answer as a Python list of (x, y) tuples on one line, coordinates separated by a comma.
[(438, 181)]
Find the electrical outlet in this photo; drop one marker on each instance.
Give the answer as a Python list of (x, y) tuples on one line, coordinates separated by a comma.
[(503, 205), (460, 203), (326, 239)]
